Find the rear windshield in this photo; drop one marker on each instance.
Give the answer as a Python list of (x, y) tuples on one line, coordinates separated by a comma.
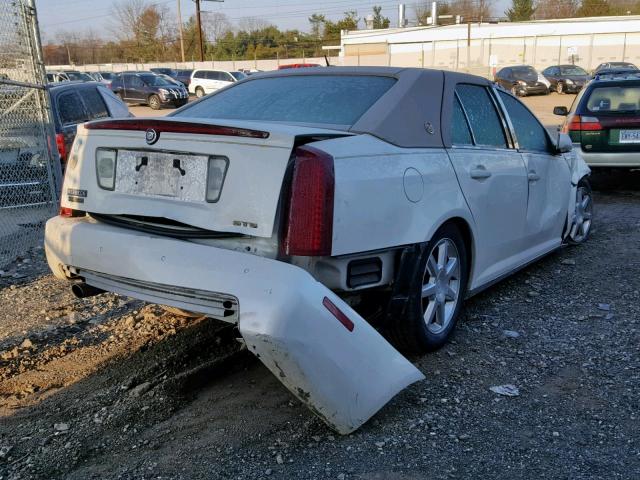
[(614, 99), (572, 71), (322, 99)]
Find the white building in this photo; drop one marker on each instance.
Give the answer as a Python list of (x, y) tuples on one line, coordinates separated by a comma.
[(586, 42)]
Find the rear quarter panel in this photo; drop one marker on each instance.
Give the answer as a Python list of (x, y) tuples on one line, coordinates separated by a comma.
[(388, 196)]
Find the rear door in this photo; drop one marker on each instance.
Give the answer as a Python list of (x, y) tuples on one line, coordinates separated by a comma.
[(548, 176), (493, 178)]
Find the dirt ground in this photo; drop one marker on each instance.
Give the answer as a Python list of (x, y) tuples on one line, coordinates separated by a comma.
[(108, 387)]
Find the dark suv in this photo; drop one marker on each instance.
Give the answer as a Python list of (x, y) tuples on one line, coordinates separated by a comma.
[(521, 80), (149, 89), (604, 121)]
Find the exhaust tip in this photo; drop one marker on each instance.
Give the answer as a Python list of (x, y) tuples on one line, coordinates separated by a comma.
[(83, 290)]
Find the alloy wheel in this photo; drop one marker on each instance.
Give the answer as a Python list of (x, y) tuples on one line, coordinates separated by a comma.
[(583, 216), (441, 285)]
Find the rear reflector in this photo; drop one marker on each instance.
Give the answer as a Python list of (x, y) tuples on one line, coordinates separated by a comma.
[(309, 221), (172, 126), (336, 312), (70, 212)]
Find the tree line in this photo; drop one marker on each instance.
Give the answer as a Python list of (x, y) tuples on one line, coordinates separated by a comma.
[(140, 31)]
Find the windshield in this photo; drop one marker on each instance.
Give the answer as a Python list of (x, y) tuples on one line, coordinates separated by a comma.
[(614, 99), (321, 99), (524, 72), (238, 75), (79, 76), (574, 70), (154, 80)]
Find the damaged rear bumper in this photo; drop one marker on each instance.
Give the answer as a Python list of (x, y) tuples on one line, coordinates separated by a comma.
[(315, 344)]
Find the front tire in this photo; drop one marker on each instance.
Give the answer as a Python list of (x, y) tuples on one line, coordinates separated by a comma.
[(154, 102), (436, 298), (583, 216)]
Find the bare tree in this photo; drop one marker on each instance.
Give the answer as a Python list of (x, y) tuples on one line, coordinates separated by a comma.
[(126, 18), (216, 24), (252, 24), (546, 9)]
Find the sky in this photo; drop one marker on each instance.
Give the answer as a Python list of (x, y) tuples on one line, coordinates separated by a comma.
[(82, 15)]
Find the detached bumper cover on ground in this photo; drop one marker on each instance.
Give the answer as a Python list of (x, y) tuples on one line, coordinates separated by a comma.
[(343, 373)]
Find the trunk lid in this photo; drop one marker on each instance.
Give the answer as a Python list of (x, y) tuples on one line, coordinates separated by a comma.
[(165, 168)]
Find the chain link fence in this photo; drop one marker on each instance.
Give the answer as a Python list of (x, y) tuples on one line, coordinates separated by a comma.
[(29, 163)]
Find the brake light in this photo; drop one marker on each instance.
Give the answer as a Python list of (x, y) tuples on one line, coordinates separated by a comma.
[(578, 123), (309, 221), (171, 126), (62, 148), (70, 212)]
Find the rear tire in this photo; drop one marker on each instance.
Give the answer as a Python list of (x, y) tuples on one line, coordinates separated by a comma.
[(199, 92), (436, 297), (154, 102)]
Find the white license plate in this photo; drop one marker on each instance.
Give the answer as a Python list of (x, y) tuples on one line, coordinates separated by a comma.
[(629, 136), (162, 174)]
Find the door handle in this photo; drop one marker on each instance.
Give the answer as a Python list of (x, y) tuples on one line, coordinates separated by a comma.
[(533, 176), (480, 173)]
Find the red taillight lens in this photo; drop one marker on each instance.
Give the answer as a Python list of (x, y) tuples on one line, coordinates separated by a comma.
[(62, 148), (174, 127), (578, 123), (70, 212), (309, 221)]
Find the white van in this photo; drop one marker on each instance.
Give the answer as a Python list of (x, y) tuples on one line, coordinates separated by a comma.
[(207, 81)]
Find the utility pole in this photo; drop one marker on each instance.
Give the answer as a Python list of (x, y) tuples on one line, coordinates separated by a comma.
[(199, 26), (181, 34)]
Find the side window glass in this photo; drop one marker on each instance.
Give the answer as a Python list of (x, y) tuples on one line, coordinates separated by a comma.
[(228, 77), (216, 76), (70, 109), (198, 74), (460, 133), (94, 103), (531, 135), (483, 117)]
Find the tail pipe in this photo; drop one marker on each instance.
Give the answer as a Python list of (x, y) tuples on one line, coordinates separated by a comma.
[(84, 290)]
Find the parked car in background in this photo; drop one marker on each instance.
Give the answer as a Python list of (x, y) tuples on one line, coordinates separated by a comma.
[(149, 89), (614, 66), (205, 81), (521, 80), (184, 76), (296, 203), (566, 78), (604, 121), (164, 71), (171, 79), (103, 77), (298, 65), (68, 76), (73, 103)]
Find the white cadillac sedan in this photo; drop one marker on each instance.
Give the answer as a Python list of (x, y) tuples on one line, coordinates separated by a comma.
[(335, 215)]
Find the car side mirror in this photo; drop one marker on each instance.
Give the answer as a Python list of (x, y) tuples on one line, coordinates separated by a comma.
[(562, 111), (564, 143)]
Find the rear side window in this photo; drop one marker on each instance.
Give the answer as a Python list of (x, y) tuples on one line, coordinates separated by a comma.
[(70, 109), (321, 99), (460, 133), (482, 115), (94, 103), (531, 135), (199, 74), (614, 99)]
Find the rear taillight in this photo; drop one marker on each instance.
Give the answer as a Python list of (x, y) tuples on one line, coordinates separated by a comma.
[(579, 123), (62, 148), (70, 212), (309, 221)]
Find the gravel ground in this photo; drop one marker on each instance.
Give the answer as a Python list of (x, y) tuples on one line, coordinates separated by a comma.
[(108, 387)]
